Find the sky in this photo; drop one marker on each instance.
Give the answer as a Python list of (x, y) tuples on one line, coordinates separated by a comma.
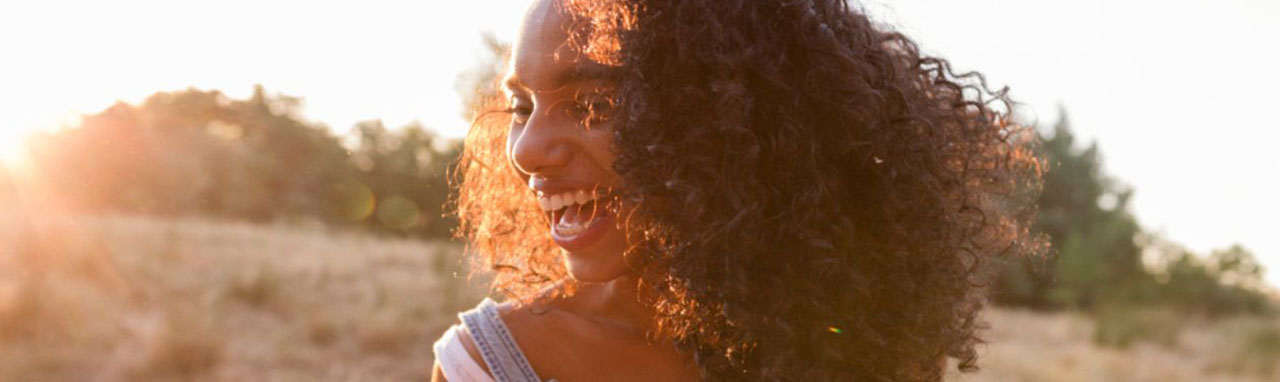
[(1179, 95)]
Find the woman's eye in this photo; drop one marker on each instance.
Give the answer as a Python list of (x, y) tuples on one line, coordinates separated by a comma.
[(520, 110), (593, 107)]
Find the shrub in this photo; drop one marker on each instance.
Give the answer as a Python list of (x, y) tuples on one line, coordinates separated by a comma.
[(1123, 326)]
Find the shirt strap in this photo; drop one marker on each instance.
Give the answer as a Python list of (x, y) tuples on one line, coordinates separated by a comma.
[(496, 345)]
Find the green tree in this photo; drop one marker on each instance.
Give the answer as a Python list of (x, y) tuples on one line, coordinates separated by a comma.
[(1227, 281), (1086, 217), (406, 171), (199, 152), (1097, 249)]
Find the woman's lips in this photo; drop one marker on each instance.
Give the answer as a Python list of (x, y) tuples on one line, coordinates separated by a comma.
[(577, 227)]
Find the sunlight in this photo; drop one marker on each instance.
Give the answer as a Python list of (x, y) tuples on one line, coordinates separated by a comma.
[(13, 153)]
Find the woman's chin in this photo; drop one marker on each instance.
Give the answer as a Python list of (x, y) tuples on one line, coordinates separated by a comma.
[(594, 277), (601, 263), (593, 250)]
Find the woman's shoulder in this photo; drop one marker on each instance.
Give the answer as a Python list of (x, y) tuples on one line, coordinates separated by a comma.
[(506, 332), (527, 321), (541, 319), (458, 358), (559, 341)]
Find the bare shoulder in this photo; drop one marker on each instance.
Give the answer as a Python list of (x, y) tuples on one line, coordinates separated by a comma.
[(540, 319), (534, 323), (560, 342), (526, 312)]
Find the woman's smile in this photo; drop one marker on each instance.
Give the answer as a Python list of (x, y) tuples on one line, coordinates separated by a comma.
[(578, 217), (562, 144)]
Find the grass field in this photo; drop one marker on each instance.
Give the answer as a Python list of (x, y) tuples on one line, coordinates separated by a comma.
[(140, 299)]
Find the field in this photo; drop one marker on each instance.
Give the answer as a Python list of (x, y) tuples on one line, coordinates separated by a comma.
[(129, 299)]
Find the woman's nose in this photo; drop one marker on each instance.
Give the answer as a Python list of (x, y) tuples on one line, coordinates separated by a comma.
[(543, 146)]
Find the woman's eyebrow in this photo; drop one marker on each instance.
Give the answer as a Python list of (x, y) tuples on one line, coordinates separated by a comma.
[(574, 75), (585, 73)]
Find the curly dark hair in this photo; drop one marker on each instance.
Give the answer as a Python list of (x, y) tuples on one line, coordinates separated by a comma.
[(816, 198)]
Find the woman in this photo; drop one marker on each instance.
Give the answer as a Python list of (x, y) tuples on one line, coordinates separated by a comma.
[(732, 190)]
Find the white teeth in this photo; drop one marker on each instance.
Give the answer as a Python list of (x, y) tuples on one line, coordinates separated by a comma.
[(562, 200), (544, 203)]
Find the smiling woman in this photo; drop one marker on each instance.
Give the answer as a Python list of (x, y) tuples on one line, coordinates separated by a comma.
[(732, 190)]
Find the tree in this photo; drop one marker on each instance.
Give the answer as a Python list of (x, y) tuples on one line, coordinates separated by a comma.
[(1086, 217), (198, 152), (406, 170), (1097, 249), (1227, 281)]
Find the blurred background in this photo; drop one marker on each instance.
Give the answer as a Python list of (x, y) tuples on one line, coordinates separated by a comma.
[(253, 190)]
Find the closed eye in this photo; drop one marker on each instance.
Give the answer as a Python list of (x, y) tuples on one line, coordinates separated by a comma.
[(520, 110), (592, 107)]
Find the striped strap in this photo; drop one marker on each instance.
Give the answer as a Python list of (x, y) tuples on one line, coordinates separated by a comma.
[(505, 360)]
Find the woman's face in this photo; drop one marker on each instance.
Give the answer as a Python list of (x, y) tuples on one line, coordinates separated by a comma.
[(567, 164)]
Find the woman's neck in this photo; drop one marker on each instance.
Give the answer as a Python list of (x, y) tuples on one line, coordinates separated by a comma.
[(616, 303)]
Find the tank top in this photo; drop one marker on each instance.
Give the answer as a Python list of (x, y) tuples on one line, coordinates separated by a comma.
[(496, 346)]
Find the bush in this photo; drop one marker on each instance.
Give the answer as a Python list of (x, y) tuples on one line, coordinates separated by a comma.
[(1121, 327)]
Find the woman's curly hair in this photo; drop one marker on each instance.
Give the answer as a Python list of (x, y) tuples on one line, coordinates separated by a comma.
[(814, 197)]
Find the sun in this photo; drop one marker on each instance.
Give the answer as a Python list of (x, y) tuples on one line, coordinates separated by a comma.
[(13, 151)]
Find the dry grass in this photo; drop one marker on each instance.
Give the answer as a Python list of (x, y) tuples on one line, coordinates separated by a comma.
[(125, 299), (138, 299), (1046, 347)]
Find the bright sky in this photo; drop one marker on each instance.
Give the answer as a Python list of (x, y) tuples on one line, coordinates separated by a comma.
[(1179, 94)]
